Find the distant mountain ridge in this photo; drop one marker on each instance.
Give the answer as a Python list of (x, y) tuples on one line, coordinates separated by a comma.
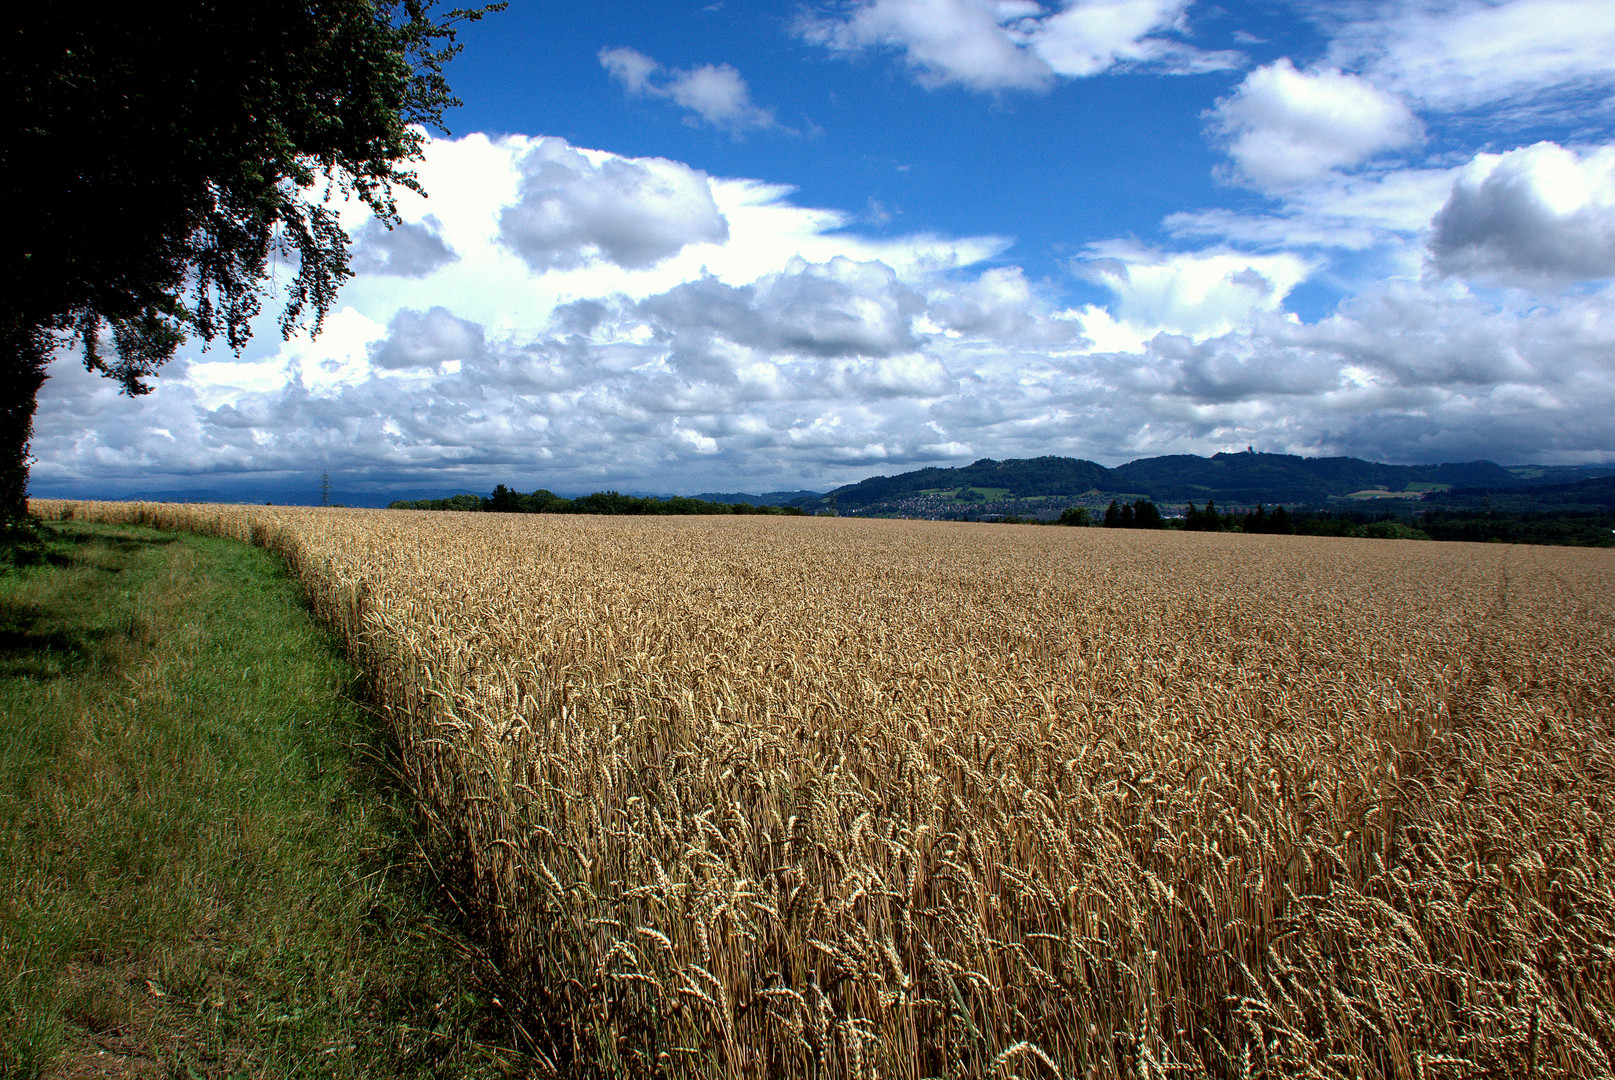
[(1232, 479), (767, 498), (1036, 486)]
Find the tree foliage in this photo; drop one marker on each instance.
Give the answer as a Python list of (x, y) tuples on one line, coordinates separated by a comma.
[(161, 161), (1259, 520), (1139, 514)]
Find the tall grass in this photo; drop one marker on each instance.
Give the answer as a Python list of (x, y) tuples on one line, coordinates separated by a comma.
[(819, 797), (203, 871)]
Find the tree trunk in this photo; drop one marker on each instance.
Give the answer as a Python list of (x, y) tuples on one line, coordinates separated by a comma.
[(24, 352)]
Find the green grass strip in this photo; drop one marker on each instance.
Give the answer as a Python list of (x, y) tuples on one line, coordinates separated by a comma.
[(203, 871)]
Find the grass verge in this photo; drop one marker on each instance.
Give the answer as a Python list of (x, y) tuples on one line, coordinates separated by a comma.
[(204, 870)]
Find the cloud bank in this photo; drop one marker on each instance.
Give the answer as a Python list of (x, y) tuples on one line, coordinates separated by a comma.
[(576, 319)]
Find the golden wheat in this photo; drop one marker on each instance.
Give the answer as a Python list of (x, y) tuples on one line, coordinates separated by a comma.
[(765, 797)]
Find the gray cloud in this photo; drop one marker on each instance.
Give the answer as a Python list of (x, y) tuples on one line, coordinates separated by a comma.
[(1541, 211), (405, 250), (580, 316), (841, 308), (418, 339), (1223, 370), (632, 212)]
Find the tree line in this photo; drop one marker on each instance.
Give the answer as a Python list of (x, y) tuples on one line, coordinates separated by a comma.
[(1144, 514), (1210, 519), (1582, 529), (504, 500), (1578, 528)]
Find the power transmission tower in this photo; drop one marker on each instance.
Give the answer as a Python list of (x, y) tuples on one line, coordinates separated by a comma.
[(325, 488)]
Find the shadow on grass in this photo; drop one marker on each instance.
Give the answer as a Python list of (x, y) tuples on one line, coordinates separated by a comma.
[(52, 544), (108, 551), (60, 640), (117, 541), (27, 651)]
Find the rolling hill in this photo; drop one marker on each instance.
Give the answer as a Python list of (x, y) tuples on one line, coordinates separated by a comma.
[(1243, 479)]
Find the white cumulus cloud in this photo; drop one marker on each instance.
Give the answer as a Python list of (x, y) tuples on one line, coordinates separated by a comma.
[(1092, 36), (1014, 44), (1284, 127), (1196, 294), (714, 94)]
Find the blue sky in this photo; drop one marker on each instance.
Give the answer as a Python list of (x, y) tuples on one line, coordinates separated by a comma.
[(748, 245)]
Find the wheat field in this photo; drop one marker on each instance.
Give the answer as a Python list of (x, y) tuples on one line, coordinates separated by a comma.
[(748, 797)]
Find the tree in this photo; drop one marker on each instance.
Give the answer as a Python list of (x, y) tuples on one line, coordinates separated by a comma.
[(1207, 520), (504, 501), (158, 159)]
